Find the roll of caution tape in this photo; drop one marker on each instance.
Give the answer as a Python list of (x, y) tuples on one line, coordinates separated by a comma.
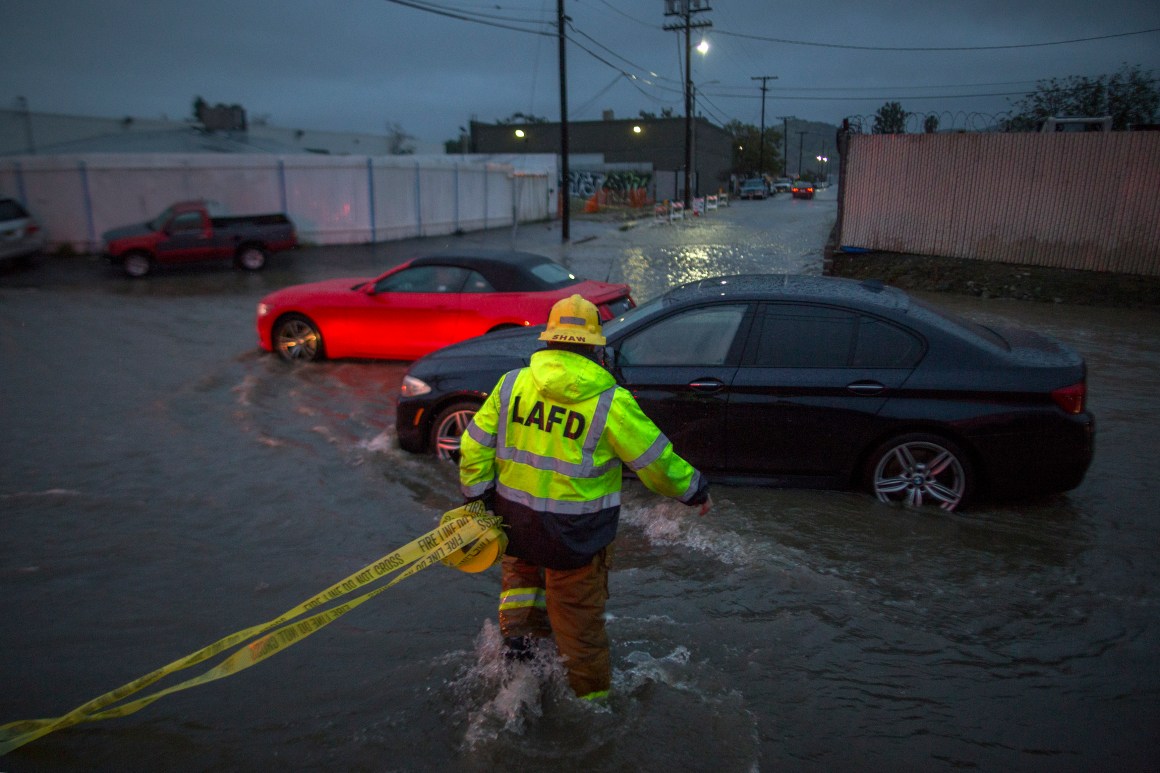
[(485, 550), (464, 540)]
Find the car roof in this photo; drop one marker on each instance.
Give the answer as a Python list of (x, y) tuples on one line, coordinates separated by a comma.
[(506, 270), (868, 294)]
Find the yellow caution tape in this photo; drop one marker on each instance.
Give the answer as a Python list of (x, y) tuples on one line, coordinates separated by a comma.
[(464, 537)]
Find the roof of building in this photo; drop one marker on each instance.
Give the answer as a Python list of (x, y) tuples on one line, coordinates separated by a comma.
[(181, 139)]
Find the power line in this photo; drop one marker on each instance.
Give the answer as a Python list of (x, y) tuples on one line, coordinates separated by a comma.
[(455, 14), (934, 48)]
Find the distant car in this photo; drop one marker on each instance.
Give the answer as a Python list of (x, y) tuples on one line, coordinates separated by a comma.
[(803, 190), (21, 236), (783, 185), (753, 189), (812, 381), (423, 304)]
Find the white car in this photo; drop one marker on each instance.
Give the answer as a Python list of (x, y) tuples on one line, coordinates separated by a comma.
[(753, 189), (21, 236)]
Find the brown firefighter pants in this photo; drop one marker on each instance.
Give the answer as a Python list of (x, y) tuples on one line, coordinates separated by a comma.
[(568, 603)]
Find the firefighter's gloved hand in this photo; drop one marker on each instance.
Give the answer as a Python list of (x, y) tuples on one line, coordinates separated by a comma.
[(705, 506)]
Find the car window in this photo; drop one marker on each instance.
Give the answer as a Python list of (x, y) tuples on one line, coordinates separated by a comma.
[(695, 337), (424, 279), (882, 345), (186, 221), (553, 274), (805, 337), (476, 283), (10, 210)]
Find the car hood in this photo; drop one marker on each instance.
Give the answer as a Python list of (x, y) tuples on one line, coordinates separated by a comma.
[(315, 290), (496, 352)]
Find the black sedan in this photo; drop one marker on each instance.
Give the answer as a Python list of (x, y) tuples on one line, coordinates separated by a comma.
[(816, 382)]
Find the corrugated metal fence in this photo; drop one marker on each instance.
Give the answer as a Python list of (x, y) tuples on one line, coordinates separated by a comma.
[(1080, 201)]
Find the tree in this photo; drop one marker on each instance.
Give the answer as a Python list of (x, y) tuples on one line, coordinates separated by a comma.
[(890, 119), (930, 124), (524, 118), (747, 153), (398, 141), (1129, 96), (460, 145)]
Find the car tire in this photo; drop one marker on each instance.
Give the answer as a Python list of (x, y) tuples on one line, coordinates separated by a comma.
[(448, 427), (136, 264), (921, 470), (251, 257), (296, 338)]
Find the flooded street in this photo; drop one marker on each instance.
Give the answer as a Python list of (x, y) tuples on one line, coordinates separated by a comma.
[(165, 483)]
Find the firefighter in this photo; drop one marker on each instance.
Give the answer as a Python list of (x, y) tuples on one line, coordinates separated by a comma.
[(545, 452)]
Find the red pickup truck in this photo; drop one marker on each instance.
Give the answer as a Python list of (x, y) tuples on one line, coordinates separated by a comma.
[(186, 232)]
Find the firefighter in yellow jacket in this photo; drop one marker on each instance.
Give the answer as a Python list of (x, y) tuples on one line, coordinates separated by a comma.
[(545, 452)]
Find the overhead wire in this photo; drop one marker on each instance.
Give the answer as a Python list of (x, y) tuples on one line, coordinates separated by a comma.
[(657, 82), (935, 48), (459, 15)]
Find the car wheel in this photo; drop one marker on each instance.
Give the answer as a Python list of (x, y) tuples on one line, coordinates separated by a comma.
[(921, 470), (251, 258), (295, 337), (448, 427), (136, 264)]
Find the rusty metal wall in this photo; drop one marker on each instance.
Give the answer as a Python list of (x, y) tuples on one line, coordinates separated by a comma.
[(1068, 200)]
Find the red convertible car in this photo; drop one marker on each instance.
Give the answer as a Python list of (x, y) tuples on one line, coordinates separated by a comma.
[(423, 305)]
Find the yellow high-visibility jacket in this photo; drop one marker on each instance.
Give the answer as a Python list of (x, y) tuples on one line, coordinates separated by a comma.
[(545, 450)]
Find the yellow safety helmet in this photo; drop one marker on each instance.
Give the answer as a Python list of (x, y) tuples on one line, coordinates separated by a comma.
[(473, 557), (574, 321)]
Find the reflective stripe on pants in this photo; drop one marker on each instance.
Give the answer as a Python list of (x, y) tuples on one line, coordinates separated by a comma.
[(573, 612)]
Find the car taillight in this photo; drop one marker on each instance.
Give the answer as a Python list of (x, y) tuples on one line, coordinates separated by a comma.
[(31, 228), (1071, 398)]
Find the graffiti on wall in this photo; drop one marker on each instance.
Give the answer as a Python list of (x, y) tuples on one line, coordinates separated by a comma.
[(620, 188)]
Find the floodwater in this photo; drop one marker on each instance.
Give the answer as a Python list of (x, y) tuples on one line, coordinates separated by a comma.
[(165, 484)]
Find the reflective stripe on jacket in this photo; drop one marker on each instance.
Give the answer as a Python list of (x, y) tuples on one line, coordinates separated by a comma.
[(549, 443)]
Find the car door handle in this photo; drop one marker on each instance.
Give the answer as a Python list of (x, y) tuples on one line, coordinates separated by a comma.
[(866, 387), (708, 385)]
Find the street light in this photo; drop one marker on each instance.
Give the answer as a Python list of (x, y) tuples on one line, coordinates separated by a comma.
[(822, 166)]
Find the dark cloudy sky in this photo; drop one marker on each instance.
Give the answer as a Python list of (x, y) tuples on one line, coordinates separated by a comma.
[(363, 65)]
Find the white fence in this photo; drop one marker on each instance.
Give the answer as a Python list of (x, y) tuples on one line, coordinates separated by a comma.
[(330, 199)]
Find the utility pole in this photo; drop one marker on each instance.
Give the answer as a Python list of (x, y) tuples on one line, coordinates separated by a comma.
[(785, 144), (764, 88), (685, 9), (22, 104), (800, 136), (565, 172)]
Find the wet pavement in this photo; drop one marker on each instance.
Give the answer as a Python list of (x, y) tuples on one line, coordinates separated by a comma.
[(165, 484)]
